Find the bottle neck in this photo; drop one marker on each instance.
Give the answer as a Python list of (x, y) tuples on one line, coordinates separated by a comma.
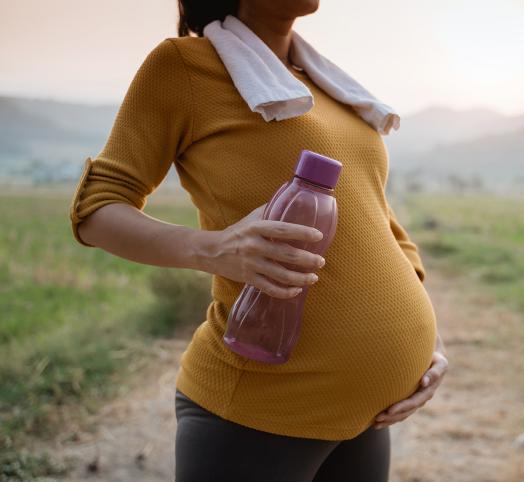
[(318, 187)]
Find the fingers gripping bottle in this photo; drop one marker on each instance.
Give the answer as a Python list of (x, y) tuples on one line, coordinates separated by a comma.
[(264, 328)]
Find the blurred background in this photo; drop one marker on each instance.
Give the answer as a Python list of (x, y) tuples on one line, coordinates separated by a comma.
[(90, 343)]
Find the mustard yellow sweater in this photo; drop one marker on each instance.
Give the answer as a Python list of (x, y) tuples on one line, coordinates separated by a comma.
[(368, 329)]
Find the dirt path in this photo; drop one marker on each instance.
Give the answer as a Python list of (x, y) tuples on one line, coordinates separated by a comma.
[(468, 432)]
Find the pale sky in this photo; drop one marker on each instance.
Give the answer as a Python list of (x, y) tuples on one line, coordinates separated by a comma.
[(409, 53)]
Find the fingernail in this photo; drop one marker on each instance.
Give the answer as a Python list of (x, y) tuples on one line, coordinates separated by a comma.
[(322, 262), (378, 426), (425, 380), (380, 418)]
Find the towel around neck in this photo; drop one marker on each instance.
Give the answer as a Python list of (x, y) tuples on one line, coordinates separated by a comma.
[(268, 87)]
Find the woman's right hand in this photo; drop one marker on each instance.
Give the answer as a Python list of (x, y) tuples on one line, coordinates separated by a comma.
[(242, 252)]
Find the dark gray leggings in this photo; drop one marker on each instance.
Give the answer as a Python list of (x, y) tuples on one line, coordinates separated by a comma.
[(210, 448)]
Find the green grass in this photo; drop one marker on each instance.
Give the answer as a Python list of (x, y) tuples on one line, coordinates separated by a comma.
[(22, 465), (75, 319), (480, 238)]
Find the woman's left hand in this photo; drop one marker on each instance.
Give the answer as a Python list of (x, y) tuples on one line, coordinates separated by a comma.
[(430, 381)]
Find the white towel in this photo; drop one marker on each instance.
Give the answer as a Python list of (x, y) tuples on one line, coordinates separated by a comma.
[(270, 89)]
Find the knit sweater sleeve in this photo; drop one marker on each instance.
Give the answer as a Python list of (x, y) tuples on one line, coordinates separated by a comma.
[(406, 244), (152, 128)]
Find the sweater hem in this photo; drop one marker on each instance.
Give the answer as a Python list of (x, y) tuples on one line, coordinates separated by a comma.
[(310, 431)]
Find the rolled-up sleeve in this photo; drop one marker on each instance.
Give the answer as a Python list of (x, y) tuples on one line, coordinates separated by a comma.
[(406, 244), (153, 126)]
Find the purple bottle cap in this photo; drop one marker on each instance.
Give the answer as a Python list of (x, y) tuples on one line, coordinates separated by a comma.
[(318, 169)]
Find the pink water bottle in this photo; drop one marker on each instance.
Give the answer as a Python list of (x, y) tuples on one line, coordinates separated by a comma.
[(259, 326)]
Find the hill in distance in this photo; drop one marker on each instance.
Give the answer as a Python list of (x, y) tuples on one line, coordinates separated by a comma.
[(48, 140)]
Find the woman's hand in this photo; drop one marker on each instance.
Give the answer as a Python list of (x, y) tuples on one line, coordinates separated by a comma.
[(430, 381), (243, 252)]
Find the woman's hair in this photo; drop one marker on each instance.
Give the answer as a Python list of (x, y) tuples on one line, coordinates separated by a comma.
[(194, 15)]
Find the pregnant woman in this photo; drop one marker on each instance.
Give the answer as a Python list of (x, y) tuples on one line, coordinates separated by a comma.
[(368, 353)]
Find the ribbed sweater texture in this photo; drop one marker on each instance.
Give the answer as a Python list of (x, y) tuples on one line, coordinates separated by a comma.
[(368, 328)]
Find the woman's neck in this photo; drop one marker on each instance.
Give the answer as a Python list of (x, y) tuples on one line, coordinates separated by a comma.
[(274, 32)]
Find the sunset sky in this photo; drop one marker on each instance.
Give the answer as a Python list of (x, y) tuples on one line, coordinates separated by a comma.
[(410, 53)]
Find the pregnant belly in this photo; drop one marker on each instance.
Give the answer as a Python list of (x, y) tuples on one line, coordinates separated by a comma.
[(367, 336), (346, 367), (385, 341), (375, 336)]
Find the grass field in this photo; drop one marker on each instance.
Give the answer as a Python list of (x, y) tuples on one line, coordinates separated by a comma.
[(72, 317), (481, 238), (75, 320)]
